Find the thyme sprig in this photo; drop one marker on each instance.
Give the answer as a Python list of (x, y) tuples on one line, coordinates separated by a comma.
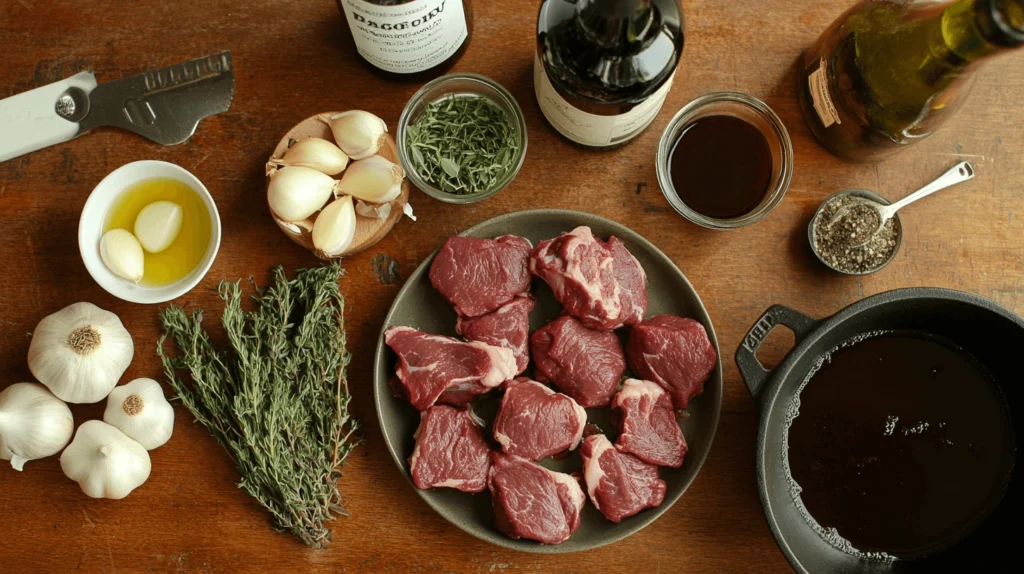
[(462, 144), (277, 400)]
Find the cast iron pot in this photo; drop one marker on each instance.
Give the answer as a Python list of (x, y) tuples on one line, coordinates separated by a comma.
[(994, 335)]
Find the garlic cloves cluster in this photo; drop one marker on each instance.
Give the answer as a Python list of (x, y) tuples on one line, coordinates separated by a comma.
[(105, 462), (140, 410), (34, 424)]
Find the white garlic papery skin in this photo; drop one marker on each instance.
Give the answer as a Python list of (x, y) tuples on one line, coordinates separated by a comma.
[(374, 179), (140, 410), (373, 211), (297, 192), (359, 134), (105, 462), (34, 424), (122, 254), (80, 352), (335, 228), (314, 153)]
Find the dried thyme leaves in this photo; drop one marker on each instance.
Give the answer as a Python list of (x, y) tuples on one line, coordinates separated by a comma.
[(842, 226), (462, 144), (277, 399)]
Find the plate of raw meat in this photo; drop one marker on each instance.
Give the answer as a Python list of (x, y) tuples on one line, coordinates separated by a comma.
[(548, 381)]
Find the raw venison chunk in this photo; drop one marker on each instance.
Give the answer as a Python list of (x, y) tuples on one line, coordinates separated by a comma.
[(508, 327), (674, 352), (430, 364), (533, 502), (583, 363), (647, 424), (598, 282), (620, 484), (478, 276), (451, 450), (534, 422)]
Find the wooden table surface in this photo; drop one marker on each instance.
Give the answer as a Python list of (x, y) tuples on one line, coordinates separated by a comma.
[(293, 58)]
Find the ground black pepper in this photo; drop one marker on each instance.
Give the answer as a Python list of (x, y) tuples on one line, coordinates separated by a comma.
[(840, 230)]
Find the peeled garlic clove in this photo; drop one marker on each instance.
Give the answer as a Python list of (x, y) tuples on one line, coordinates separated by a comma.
[(373, 179), (122, 253), (359, 134), (335, 228), (372, 211), (105, 462), (157, 225), (34, 424), (140, 410), (297, 192), (315, 153)]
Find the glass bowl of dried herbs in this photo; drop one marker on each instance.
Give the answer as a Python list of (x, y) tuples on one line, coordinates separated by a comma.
[(462, 138)]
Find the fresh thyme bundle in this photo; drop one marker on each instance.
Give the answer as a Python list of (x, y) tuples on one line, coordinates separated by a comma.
[(277, 401), (462, 144)]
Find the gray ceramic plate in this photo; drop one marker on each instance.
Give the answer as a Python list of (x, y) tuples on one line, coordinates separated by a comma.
[(418, 305)]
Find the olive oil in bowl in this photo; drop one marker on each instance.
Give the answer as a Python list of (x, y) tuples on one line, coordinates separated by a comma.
[(187, 250)]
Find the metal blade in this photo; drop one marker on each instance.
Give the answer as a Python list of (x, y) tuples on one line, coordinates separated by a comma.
[(164, 105)]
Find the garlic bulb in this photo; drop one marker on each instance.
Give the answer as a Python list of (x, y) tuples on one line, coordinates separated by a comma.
[(374, 179), (80, 352), (314, 153), (34, 424), (359, 134), (141, 412), (158, 225), (104, 461), (297, 192), (334, 228), (122, 253)]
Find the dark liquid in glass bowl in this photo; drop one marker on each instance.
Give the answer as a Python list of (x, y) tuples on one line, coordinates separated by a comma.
[(721, 166), (903, 444)]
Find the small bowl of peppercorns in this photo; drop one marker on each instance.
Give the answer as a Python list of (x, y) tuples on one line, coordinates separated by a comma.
[(846, 237)]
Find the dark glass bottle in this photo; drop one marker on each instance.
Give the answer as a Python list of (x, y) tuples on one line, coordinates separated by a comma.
[(886, 74), (604, 67), (413, 40)]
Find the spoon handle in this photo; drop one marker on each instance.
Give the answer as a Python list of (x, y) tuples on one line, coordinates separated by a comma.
[(959, 173)]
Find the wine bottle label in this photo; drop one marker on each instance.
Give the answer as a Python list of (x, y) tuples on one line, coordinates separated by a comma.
[(820, 97), (591, 129), (407, 38)]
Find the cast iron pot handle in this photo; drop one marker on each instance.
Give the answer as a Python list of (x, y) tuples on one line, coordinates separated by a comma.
[(753, 372)]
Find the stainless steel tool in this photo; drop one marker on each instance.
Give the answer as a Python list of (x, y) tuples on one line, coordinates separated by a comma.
[(162, 105)]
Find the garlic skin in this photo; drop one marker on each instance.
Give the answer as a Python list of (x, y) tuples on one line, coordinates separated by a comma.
[(373, 211), (314, 153), (335, 228), (140, 410), (374, 179), (80, 352), (359, 134), (297, 192), (105, 462), (34, 424), (122, 253), (158, 225)]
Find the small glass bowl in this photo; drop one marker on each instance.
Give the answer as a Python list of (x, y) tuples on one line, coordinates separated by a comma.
[(459, 85), (754, 112)]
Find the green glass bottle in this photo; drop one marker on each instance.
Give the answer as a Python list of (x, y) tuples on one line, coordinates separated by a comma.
[(888, 73)]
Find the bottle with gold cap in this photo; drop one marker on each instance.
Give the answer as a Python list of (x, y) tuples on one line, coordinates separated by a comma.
[(888, 73)]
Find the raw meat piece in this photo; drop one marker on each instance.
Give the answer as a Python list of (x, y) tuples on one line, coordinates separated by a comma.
[(429, 364), (508, 327), (674, 352), (479, 275), (647, 424), (534, 422), (451, 450), (598, 282), (583, 363), (533, 502), (619, 484)]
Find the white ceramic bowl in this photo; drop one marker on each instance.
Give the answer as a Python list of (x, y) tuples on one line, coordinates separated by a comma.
[(94, 214)]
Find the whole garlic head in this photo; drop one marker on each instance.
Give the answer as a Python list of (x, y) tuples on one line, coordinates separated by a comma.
[(34, 424), (80, 352), (141, 412), (105, 462)]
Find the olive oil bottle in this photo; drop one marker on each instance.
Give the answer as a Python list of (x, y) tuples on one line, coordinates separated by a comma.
[(888, 73)]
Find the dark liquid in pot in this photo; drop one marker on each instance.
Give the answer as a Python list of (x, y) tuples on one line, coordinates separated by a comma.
[(903, 444)]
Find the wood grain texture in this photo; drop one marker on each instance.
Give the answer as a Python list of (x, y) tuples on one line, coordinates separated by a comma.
[(293, 59)]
